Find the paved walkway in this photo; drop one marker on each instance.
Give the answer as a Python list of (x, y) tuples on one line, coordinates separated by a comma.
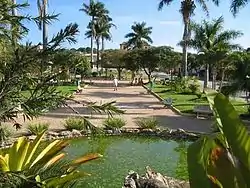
[(134, 100)]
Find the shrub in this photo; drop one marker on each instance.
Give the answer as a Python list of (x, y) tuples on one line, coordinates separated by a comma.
[(5, 133), (147, 123), (38, 128), (94, 74), (114, 123), (74, 123), (194, 88), (36, 164)]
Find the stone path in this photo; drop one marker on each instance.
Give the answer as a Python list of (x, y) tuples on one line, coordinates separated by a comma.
[(134, 100)]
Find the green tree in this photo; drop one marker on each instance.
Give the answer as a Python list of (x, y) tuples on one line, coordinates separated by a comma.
[(131, 59), (211, 40), (114, 59), (95, 10), (139, 37), (236, 5), (187, 10)]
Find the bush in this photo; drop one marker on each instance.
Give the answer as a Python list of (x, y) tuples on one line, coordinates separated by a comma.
[(74, 123), (5, 133), (94, 74), (187, 85), (147, 123), (114, 123), (38, 128)]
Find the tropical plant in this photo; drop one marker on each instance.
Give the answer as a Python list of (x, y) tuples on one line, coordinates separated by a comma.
[(221, 159), (211, 40), (236, 5), (114, 123), (74, 123), (5, 133), (38, 128), (21, 69), (95, 10), (147, 123), (186, 10), (26, 161), (139, 37)]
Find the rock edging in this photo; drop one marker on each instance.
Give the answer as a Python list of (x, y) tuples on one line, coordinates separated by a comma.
[(152, 179), (170, 134)]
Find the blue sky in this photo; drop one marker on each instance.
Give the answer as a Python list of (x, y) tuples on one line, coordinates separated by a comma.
[(167, 24)]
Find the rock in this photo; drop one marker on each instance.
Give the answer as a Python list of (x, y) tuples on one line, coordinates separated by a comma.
[(65, 133), (148, 131), (152, 180), (76, 133), (52, 133), (32, 137), (117, 131), (181, 131), (109, 131)]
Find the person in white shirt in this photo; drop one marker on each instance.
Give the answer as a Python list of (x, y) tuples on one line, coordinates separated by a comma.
[(115, 82)]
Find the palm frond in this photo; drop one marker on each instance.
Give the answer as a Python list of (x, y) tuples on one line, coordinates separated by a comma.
[(164, 2), (236, 5)]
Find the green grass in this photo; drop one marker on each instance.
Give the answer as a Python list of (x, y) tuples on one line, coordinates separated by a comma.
[(67, 89), (186, 102)]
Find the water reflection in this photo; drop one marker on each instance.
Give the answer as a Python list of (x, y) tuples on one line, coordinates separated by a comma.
[(122, 154)]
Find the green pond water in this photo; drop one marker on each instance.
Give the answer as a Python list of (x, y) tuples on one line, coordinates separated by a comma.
[(121, 154)]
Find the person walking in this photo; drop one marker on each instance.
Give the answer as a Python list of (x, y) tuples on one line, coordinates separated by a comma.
[(115, 82)]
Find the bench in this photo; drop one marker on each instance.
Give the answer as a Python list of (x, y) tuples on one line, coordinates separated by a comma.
[(202, 109)]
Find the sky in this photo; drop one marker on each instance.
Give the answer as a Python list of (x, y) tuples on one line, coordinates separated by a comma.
[(167, 24)]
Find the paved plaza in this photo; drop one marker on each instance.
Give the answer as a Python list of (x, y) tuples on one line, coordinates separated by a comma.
[(133, 99)]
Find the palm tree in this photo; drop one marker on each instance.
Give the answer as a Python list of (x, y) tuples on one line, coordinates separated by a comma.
[(94, 10), (213, 43), (42, 25), (237, 4), (140, 36), (187, 10)]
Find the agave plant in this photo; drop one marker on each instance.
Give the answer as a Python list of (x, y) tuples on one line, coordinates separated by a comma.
[(221, 159), (24, 158)]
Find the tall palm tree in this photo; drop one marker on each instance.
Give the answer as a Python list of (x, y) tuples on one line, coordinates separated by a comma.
[(237, 4), (140, 36), (187, 10), (42, 25), (211, 40), (94, 10)]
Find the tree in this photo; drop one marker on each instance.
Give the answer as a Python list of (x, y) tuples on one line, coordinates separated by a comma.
[(131, 59), (211, 40), (236, 5), (186, 10), (94, 10), (139, 37), (114, 59)]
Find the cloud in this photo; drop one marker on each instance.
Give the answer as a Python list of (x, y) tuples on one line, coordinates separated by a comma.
[(169, 22)]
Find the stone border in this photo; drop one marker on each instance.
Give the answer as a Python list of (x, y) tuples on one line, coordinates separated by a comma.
[(174, 109), (168, 134)]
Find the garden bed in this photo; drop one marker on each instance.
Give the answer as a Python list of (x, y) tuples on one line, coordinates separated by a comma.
[(185, 102)]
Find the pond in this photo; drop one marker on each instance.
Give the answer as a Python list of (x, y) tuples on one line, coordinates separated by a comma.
[(121, 154)]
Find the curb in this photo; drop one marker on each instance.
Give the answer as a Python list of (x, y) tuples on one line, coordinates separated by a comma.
[(174, 109)]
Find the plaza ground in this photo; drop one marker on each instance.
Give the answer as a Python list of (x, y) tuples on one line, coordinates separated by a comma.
[(133, 99)]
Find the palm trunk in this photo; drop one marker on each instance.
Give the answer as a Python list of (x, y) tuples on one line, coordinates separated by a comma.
[(184, 50), (222, 78), (103, 45), (132, 77), (98, 53), (92, 41), (206, 78), (14, 13), (214, 79), (45, 28)]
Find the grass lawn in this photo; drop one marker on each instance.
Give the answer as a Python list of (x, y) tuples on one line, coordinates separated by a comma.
[(186, 102), (68, 89)]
